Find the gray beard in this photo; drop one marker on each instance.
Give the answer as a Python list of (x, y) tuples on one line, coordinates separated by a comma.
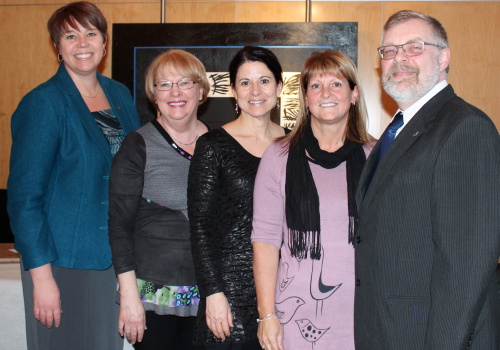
[(408, 95), (410, 90)]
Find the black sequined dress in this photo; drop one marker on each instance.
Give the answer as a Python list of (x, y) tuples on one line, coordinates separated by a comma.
[(220, 207)]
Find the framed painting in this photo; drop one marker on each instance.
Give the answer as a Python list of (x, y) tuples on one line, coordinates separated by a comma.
[(136, 45)]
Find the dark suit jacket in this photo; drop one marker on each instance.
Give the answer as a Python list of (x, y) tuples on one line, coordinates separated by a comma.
[(429, 234), (59, 174)]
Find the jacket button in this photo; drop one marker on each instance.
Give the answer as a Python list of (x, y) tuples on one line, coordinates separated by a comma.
[(358, 282), (358, 239)]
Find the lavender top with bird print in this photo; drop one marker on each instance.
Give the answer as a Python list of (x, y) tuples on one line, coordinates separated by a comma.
[(314, 298)]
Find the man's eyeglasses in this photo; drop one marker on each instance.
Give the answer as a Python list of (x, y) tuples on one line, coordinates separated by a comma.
[(168, 85), (410, 49)]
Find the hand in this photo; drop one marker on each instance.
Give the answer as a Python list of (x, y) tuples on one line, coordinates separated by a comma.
[(46, 297), (218, 314), (270, 334), (132, 319)]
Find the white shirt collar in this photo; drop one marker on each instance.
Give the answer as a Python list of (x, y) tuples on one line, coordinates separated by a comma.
[(414, 108)]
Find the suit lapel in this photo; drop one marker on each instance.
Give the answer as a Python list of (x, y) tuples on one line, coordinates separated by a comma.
[(416, 128), (370, 162)]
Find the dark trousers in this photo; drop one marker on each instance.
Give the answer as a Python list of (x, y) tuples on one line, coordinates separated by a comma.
[(167, 332)]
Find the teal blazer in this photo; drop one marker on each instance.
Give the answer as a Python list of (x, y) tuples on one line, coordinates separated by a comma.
[(59, 170)]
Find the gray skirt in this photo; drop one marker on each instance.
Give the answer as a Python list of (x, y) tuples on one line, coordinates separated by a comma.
[(90, 314)]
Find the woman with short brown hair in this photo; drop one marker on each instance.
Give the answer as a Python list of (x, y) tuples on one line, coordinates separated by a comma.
[(65, 133)]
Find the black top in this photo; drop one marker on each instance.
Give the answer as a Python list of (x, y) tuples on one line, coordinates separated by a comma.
[(148, 227), (220, 205)]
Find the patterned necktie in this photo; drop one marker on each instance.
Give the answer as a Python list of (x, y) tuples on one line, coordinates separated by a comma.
[(385, 141)]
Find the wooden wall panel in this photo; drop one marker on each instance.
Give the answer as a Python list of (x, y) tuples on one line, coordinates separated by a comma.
[(100, 3), (367, 14), (33, 2), (29, 59), (270, 11), (200, 12), (126, 13), (64, 2)]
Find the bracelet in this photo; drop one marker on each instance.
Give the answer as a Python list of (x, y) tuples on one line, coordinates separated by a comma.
[(272, 313), (267, 318)]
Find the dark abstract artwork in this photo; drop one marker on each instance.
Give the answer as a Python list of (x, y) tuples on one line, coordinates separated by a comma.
[(136, 45)]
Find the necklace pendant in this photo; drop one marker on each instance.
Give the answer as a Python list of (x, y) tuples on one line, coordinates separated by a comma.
[(190, 143)]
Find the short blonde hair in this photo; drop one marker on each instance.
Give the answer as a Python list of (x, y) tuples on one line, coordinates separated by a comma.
[(185, 63)]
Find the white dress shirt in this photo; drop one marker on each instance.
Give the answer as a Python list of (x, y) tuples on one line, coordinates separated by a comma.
[(414, 108)]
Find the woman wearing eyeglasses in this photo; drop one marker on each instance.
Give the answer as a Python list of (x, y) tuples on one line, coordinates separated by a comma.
[(220, 195), (148, 223)]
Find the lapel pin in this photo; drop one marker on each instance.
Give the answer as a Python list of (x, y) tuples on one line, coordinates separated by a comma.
[(415, 134)]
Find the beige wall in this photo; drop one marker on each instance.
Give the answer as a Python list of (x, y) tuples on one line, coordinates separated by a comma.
[(28, 58)]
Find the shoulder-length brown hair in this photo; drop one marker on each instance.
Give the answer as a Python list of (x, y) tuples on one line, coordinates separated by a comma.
[(331, 62)]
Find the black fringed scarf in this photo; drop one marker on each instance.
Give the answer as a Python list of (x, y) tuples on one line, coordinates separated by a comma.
[(302, 201)]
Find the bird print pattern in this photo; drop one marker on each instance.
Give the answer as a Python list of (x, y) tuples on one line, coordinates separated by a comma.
[(285, 280), (287, 308), (320, 291), (309, 331)]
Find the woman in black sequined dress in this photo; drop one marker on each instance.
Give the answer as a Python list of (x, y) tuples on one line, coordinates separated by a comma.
[(220, 200)]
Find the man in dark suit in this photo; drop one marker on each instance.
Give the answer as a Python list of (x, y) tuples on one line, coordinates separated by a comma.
[(428, 237)]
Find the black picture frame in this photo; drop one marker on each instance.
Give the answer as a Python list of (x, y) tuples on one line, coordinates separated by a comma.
[(136, 45)]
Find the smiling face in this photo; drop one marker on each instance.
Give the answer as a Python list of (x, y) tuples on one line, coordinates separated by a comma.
[(255, 90), (81, 49), (329, 99), (176, 104), (407, 79)]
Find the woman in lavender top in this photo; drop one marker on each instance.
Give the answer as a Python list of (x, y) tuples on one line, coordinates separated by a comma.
[(305, 213)]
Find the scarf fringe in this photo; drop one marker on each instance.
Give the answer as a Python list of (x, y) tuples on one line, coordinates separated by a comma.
[(300, 243), (302, 199)]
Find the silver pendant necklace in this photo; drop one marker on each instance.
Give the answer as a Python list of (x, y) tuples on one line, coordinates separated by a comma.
[(190, 143)]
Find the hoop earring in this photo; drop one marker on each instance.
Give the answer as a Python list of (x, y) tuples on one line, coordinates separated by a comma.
[(104, 54), (59, 57), (236, 109)]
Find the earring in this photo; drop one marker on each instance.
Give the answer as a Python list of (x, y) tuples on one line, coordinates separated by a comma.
[(59, 57), (236, 109), (354, 103), (104, 54), (278, 105)]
